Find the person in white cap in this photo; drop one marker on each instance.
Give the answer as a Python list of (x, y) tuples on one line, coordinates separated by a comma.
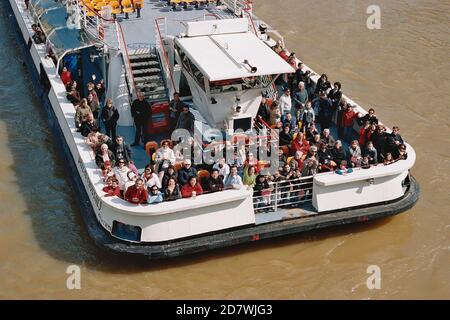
[(186, 172)]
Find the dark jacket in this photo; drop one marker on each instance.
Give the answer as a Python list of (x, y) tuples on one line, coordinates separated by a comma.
[(214, 185), (335, 97), (391, 139), (259, 187), (285, 138), (338, 155), (184, 175), (141, 111), (122, 152), (87, 128), (166, 177), (186, 121), (372, 155), (99, 158), (110, 116), (170, 196)]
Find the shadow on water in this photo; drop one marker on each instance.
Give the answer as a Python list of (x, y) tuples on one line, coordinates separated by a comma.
[(51, 203)]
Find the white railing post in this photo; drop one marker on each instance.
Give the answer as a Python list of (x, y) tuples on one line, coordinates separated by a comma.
[(276, 197)]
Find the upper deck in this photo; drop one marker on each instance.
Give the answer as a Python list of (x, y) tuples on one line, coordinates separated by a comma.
[(140, 33)]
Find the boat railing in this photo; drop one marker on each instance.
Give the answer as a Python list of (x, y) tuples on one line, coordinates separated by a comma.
[(160, 30), (126, 60), (100, 27), (285, 194)]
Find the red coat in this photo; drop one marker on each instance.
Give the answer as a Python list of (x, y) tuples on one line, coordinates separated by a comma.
[(283, 55), (348, 117), (134, 195), (296, 146), (186, 191), (66, 77), (110, 191), (362, 136)]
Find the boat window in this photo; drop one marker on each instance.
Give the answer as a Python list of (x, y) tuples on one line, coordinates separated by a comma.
[(126, 231)]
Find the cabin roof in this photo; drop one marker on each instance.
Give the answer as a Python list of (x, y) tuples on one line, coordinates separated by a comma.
[(221, 56)]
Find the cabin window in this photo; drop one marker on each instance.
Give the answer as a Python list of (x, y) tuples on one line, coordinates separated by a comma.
[(126, 231), (192, 69)]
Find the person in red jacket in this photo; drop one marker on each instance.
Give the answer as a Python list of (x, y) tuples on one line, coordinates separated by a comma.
[(137, 192), (300, 144), (112, 188), (66, 76), (347, 122), (191, 189)]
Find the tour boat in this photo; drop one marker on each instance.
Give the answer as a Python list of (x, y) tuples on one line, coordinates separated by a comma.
[(218, 55)]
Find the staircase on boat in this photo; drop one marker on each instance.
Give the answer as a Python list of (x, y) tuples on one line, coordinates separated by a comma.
[(147, 74)]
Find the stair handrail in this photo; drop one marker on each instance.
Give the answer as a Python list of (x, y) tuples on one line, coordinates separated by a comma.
[(166, 63), (121, 44), (126, 59)]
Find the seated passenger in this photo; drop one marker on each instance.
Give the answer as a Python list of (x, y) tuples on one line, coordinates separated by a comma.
[(343, 168), (325, 159), (154, 196), (249, 178), (300, 144), (137, 193), (107, 172), (310, 165), (365, 163), (354, 154), (214, 182), (81, 113), (191, 189), (233, 181), (72, 93), (289, 120), (112, 188), (89, 125), (150, 178), (164, 158), (223, 167), (93, 141), (285, 136), (104, 139), (186, 172), (296, 162), (316, 141), (104, 156), (388, 159), (131, 179), (371, 153), (400, 153), (338, 152), (121, 171), (262, 192), (327, 138), (172, 191), (170, 173)]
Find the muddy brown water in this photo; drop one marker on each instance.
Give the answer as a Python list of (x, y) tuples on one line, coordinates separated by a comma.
[(401, 70)]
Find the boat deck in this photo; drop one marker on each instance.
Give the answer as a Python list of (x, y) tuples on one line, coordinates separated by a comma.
[(140, 32)]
